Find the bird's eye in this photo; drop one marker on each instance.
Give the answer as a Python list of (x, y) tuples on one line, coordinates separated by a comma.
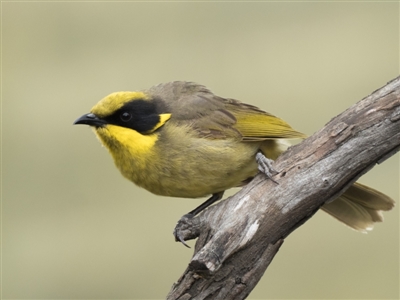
[(125, 116)]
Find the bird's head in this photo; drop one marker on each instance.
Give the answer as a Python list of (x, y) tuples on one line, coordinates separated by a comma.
[(133, 110)]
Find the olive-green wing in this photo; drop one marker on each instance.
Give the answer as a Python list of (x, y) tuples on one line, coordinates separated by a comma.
[(231, 117)]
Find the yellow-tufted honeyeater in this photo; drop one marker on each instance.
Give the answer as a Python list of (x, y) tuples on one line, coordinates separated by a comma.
[(179, 139)]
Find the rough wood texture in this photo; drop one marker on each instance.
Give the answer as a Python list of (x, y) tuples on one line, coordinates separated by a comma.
[(238, 237)]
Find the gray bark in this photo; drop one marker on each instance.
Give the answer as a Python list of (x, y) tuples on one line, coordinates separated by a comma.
[(239, 236)]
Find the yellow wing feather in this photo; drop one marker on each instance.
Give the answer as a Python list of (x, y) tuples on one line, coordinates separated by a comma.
[(261, 126)]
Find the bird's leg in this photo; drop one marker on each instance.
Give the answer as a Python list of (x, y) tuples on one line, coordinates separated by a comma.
[(265, 166), (214, 198), (185, 228)]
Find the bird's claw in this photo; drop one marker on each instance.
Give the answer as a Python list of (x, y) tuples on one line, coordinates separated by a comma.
[(265, 166), (183, 229)]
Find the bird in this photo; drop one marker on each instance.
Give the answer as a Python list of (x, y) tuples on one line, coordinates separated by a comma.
[(179, 139)]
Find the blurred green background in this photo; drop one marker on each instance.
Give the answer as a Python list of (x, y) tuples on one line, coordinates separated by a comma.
[(72, 227)]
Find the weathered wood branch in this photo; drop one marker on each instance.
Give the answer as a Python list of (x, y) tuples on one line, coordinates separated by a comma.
[(238, 237)]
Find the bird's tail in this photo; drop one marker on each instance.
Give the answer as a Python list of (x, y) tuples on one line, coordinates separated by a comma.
[(359, 207)]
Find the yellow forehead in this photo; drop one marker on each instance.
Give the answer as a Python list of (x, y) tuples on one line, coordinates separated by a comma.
[(115, 101)]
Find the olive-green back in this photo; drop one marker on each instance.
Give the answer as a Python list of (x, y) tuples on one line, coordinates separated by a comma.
[(215, 117)]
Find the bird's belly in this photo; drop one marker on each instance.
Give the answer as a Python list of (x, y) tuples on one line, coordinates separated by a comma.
[(205, 179), (196, 170)]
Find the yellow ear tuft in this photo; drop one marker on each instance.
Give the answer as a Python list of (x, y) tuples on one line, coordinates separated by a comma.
[(163, 118), (108, 105)]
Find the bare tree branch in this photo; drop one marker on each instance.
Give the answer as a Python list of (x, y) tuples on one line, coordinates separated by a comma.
[(238, 237)]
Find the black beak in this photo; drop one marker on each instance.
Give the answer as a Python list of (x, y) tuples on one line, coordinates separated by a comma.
[(90, 119)]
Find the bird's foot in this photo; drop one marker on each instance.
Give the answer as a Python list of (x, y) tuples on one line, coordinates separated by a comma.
[(265, 166), (187, 228)]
